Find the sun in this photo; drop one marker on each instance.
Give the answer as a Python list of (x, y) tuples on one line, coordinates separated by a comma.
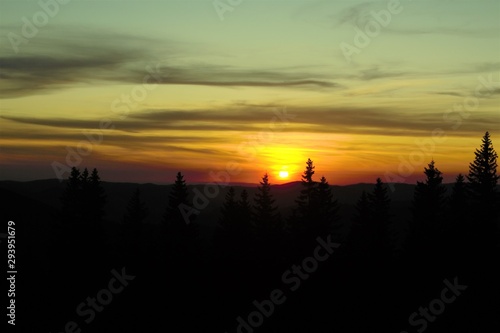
[(283, 174)]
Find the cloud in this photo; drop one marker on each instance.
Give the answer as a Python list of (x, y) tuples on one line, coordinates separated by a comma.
[(252, 119), (488, 66), (358, 15), (376, 73), (450, 93), (441, 30), (75, 58)]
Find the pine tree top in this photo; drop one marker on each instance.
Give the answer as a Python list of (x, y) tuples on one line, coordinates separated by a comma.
[(309, 172), (483, 170)]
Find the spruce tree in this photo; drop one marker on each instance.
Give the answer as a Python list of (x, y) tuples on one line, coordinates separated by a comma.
[(84, 178), (359, 238), (306, 205), (233, 238), (428, 206), (244, 217), (266, 247), (459, 192), (265, 216), (327, 209), (71, 198), (83, 200), (178, 196), (483, 181), (83, 206), (363, 212), (380, 223), (244, 208), (380, 203), (96, 196), (182, 234), (372, 231)]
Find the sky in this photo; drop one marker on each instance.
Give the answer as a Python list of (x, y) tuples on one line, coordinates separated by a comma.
[(228, 90)]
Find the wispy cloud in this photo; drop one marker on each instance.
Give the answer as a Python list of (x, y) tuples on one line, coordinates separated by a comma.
[(62, 62), (342, 120)]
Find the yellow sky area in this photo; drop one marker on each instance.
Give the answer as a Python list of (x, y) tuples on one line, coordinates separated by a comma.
[(364, 158), (361, 164), (341, 158), (88, 101)]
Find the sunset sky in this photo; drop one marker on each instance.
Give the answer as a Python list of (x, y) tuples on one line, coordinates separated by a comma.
[(178, 86)]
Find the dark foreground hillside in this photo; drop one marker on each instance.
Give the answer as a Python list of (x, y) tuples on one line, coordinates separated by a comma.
[(113, 277)]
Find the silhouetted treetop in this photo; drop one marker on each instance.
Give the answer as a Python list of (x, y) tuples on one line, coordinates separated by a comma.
[(178, 196), (266, 217), (483, 176), (83, 199), (305, 200)]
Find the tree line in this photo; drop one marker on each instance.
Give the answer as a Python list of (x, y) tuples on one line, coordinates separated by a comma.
[(254, 244), (470, 210)]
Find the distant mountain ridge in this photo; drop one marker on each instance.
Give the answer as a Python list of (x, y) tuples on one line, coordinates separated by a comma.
[(49, 192)]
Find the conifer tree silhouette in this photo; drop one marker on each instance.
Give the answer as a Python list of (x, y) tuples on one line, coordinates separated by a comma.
[(428, 207), (483, 181), (327, 218), (96, 196), (372, 230), (84, 239), (178, 196), (306, 204), (84, 199), (359, 237), (71, 198), (237, 215), (304, 221), (233, 238), (381, 218), (268, 237), (244, 217), (85, 195), (459, 194), (229, 231), (266, 218), (182, 250), (182, 233)]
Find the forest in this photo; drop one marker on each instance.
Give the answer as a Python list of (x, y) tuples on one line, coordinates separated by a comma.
[(306, 268)]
